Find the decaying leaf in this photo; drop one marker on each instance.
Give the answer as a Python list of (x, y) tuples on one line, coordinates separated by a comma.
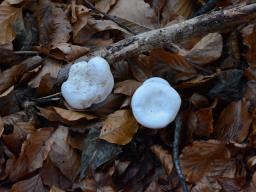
[(127, 87), (10, 19), (207, 50), (63, 156), (96, 152), (164, 156), (33, 184), (105, 5), (197, 159), (234, 122), (138, 12), (119, 127)]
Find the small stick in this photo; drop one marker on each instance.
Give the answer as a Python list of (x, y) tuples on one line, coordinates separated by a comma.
[(206, 8), (91, 6), (176, 159)]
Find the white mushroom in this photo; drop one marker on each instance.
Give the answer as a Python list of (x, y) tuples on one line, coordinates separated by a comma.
[(88, 83), (155, 103)]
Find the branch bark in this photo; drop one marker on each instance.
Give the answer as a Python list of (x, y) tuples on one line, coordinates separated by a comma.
[(201, 25)]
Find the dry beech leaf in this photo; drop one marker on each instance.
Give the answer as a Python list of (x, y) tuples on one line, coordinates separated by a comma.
[(52, 176), (200, 122), (55, 189), (9, 18), (63, 156), (12, 75), (207, 50), (80, 18), (63, 115), (253, 183), (32, 184), (34, 151), (105, 5), (164, 156), (248, 34), (197, 81), (1, 126), (182, 7), (72, 115), (198, 158), (51, 67), (67, 51), (119, 127), (127, 87), (176, 65), (234, 122), (54, 25), (136, 11)]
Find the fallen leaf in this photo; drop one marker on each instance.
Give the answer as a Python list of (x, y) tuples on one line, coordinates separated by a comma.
[(234, 122), (63, 156), (34, 151), (105, 5), (119, 127), (248, 34), (52, 176), (253, 183), (10, 17), (72, 115), (197, 159), (12, 76), (176, 66), (207, 50), (49, 66), (164, 156), (53, 23), (96, 152), (200, 122), (68, 52), (138, 12), (80, 18), (1, 126), (127, 87), (55, 189), (32, 184)]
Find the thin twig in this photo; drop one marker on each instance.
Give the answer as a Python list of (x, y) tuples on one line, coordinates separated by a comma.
[(26, 52), (176, 159), (206, 8), (92, 7)]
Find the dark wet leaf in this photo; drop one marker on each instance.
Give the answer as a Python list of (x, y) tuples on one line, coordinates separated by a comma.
[(96, 152)]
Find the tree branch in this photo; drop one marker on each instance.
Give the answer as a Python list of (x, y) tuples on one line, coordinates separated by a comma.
[(201, 25)]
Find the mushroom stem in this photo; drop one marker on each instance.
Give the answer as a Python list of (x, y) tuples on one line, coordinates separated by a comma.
[(176, 142)]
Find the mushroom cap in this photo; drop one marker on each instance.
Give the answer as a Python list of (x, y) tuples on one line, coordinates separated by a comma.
[(88, 83), (155, 103)]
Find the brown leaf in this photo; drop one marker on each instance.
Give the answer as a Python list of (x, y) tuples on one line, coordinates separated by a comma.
[(55, 189), (138, 12), (63, 156), (127, 87), (174, 64), (164, 156), (52, 176), (51, 67), (63, 115), (9, 18), (200, 122), (68, 52), (234, 122), (54, 25), (79, 19), (207, 50), (248, 34), (197, 159), (32, 184), (34, 151), (253, 183), (12, 76), (1, 126), (105, 5), (197, 81), (119, 127)]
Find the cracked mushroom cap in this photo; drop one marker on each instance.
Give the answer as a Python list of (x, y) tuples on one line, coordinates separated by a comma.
[(155, 103), (88, 83)]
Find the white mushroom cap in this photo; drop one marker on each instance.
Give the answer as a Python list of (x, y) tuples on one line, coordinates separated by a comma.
[(88, 83), (155, 103)]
